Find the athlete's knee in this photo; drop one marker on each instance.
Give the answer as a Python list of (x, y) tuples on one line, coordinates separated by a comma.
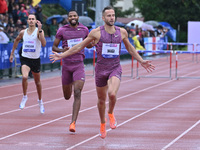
[(37, 83), (67, 96), (77, 93), (101, 101), (25, 77), (112, 95)]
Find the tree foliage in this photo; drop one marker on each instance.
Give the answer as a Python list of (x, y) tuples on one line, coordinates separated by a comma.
[(52, 9), (175, 12)]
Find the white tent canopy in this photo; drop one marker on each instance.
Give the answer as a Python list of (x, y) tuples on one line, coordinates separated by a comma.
[(141, 24)]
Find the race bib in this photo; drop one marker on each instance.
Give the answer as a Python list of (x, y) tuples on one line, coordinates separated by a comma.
[(29, 46), (73, 42), (110, 50)]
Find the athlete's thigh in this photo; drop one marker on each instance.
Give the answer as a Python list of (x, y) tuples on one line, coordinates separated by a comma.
[(113, 84), (114, 79), (67, 81), (25, 70), (79, 72), (67, 90), (67, 77)]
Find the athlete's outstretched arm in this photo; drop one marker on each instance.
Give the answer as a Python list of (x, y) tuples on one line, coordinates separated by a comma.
[(145, 63)]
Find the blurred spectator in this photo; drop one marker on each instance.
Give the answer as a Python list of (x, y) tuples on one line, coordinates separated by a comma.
[(20, 2), (31, 9), (140, 32), (3, 37), (141, 38), (23, 14), (137, 29), (10, 22), (18, 24), (14, 12), (1, 19), (53, 29), (10, 7), (161, 32), (129, 31), (64, 22), (3, 7), (5, 20), (137, 44), (38, 13), (12, 33)]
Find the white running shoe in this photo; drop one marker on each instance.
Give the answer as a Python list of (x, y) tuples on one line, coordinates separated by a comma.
[(23, 102), (40, 102)]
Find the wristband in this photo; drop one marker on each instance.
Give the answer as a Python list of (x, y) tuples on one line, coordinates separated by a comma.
[(40, 31)]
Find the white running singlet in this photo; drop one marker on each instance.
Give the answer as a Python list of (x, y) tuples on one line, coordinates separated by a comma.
[(31, 45)]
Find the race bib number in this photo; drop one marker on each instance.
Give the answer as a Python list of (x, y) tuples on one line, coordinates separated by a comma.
[(74, 42), (110, 50), (29, 46)]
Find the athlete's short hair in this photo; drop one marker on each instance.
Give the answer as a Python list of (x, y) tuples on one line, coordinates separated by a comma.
[(32, 14), (107, 8), (71, 11)]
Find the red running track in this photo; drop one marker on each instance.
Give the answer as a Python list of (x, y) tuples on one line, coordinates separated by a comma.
[(152, 114)]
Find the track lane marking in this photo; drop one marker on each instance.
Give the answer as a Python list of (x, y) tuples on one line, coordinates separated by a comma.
[(181, 135), (139, 115)]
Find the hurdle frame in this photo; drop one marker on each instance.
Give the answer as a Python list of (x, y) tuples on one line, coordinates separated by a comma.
[(170, 65), (176, 70)]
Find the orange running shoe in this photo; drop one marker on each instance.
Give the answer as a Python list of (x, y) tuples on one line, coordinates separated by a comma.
[(72, 127), (113, 122), (103, 130)]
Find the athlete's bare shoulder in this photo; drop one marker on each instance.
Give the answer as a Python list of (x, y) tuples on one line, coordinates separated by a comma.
[(21, 34), (95, 33), (124, 33)]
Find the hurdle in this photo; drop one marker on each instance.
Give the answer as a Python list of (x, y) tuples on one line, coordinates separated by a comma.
[(176, 70), (197, 45), (131, 75), (183, 44), (170, 65)]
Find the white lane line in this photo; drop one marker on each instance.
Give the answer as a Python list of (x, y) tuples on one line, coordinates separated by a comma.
[(180, 136), (79, 111), (29, 92), (36, 105), (135, 116), (34, 91), (31, 81)]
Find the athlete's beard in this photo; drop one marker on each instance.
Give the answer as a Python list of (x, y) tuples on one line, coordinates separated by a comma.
[(73, 24), (108, 23)]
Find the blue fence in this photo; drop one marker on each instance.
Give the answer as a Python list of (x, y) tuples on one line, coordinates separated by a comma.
[(5, 50)]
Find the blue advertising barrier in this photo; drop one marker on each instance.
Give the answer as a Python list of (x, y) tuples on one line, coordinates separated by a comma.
[(5, 50)]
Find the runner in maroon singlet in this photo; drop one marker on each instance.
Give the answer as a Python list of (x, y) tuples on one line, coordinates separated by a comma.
[(73, 73), (108, 40)]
